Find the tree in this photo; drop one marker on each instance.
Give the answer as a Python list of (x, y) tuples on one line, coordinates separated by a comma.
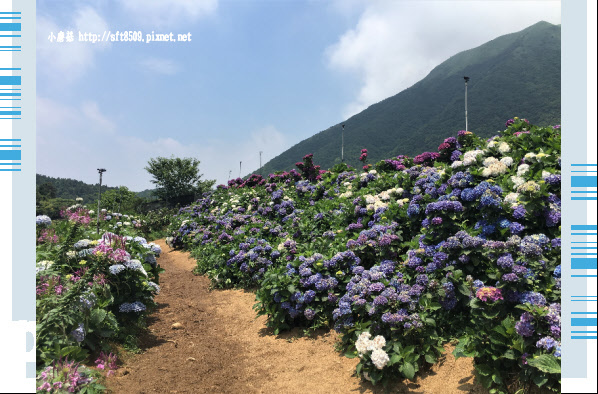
[(178, 181), (47, 190), (120, 200)]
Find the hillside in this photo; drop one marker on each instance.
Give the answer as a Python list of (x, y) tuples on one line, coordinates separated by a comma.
[(71, 188), (513, 75)]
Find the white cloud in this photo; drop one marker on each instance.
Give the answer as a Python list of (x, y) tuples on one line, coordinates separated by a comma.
[(92, 113), (65, 62), (72, 142), (161, 13), (161, 66), (396, 43)]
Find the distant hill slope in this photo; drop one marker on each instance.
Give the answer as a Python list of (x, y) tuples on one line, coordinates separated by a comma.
[(518, 74), (71, 188)]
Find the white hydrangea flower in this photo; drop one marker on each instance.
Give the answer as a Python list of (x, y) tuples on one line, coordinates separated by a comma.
[(545, 174), (384, 196), (456, 164), (530, 157), (494, 169), (522, 169), (369, 199), (469, 158), (378, 342), (491, 144), (507, 160), (489, 161), (379, 358), (518, 181), (504, 148), (373, 172), (348, 193), (512, 198), (363, 342)]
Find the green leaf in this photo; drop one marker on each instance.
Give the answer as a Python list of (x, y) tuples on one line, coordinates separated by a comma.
[(546, 363), (394, 359), (510, 354), (408, 370), (97, 316), (407, 351), (540, 380), (483, 369), (430, 358), (496, 379)]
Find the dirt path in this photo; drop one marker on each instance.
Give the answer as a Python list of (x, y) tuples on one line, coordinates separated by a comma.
[(223, 348)]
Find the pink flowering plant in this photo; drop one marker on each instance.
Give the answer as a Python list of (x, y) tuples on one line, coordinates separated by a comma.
[(91, 291)]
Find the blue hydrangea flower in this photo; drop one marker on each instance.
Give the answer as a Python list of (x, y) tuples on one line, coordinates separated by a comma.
[(43, 220), (136, 306), (79, 333), (116, 269)]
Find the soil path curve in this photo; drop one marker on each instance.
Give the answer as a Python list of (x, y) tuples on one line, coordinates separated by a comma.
[(223, 348)]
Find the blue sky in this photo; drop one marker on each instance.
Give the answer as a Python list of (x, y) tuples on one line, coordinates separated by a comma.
[(256, 75)]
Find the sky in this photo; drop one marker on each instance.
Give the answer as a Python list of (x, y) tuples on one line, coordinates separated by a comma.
[(256, 76)]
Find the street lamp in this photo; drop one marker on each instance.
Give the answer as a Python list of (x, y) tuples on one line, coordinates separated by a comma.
[(261, 162), (466, 80), (100, 170), (343, 143)]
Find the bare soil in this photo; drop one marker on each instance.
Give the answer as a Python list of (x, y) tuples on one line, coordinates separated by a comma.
[(223, 348)]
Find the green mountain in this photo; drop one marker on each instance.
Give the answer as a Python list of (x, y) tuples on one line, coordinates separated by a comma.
[(67, 188), (517, 74)]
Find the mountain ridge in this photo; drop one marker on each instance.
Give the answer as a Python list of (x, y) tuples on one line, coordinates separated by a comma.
[(517, 74)]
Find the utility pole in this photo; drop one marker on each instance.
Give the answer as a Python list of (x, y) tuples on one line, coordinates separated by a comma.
[(466, 80), (240, 163), (119, 198), (100, 170), (343, 144), (229, 172), (260, 162)]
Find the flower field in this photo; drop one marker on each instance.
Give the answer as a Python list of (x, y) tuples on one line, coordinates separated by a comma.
[(92, 291), (400, 257)]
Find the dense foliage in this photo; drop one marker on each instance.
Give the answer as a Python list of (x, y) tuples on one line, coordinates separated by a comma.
[(66, 188), (177, 180), (526, 62), (92, 290), (462, 242)]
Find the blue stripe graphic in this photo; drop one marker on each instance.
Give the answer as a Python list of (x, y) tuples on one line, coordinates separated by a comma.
[(10, 80), (10, 154), (583, 322), (10, 27), (583, 181)]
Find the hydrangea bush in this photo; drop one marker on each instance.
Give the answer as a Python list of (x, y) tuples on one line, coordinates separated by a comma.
[(90, 290), (462, 243)]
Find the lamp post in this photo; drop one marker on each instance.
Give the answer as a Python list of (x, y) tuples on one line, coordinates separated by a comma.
[(466, 80), (119, 198), (343, 143), (100, 170), (260, 162)]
